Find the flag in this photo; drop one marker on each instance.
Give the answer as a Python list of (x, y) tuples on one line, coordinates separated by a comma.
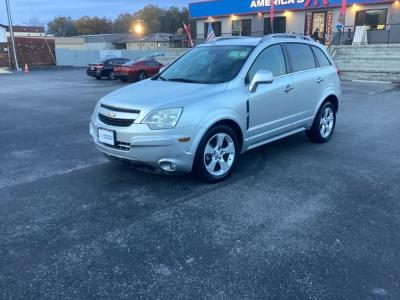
[(210, 32), (271, 15), (186, 29), (343, 8), (342, 13)]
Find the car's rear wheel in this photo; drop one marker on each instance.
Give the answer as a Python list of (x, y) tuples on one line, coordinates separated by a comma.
[(141, 76), (217, 154), (112, 75), (324, 124)]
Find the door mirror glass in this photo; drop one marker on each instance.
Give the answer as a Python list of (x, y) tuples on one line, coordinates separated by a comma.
[(261, 77)]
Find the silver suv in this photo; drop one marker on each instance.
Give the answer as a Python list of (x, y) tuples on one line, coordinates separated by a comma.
[(219, 100)]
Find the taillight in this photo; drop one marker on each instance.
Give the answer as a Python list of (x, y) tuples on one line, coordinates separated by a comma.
[(99, 66)]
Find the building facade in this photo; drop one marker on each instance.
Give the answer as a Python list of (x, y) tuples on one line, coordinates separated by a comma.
[(252, 17)]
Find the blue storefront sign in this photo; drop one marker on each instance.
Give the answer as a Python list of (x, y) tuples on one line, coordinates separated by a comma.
[(216, 8)]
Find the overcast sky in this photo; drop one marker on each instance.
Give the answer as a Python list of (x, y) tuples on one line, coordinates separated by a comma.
[(44, 10)]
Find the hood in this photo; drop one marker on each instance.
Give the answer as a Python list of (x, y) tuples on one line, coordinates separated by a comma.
[(158, 94)]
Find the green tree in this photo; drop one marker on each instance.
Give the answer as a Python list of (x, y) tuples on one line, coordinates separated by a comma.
[(171, 20), (123, 23), (87, 25), (151, 16), (62, 26)]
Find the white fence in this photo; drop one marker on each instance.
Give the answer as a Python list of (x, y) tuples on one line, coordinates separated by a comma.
[(80, 58)]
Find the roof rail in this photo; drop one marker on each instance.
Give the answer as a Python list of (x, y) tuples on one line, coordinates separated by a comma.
[(224, 38), (288, 36)]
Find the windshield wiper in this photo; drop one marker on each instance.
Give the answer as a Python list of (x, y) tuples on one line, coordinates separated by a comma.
[(159, 77), (183, 80)]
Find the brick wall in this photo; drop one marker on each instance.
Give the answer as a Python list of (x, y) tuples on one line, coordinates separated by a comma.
[(31, 51), (3, 56)]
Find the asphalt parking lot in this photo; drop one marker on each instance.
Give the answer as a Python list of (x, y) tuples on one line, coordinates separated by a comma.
[(296, 220)]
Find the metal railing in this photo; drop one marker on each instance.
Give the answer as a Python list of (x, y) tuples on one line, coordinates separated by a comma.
[(389, 34)]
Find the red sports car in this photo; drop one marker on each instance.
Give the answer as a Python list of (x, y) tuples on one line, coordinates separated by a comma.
[(137, 70)]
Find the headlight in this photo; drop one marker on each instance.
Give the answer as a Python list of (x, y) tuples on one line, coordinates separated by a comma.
[(163, 118)]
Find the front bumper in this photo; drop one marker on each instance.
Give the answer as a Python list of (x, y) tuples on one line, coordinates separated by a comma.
[(141, 145)]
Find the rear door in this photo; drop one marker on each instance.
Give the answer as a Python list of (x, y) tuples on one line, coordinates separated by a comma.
[(305, 76), (327, 73)]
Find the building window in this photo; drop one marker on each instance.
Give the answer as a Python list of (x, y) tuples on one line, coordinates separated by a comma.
[(373, 19), (216, 27), (242, 27), (279, 25)]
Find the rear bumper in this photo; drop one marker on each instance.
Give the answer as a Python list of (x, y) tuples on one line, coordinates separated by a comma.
[(93, 73), (154, 148)]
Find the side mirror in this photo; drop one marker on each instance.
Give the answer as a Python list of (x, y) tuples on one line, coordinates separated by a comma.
[(261, 77)]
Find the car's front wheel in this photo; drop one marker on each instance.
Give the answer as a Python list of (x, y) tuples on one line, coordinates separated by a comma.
[(324, 124), (217, 154), (141, 76)]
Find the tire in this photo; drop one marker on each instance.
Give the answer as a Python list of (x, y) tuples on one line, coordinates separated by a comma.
[(141, 76), (112, 75), (218, 149), (124, 79), (324, 124)]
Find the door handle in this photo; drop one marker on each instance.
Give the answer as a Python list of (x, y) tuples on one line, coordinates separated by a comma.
[(288, 89), (319, 80)]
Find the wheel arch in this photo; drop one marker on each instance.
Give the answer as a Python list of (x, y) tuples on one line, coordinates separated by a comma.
[(230, 122), (333, 99), (328, 98)]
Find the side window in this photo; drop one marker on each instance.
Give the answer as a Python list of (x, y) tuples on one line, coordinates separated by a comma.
[(301, 56), (271, 59), (323, 61)]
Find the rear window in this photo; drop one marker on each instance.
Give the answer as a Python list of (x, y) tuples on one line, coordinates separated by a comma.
[(100, 61), (323, 61), (301, 56)]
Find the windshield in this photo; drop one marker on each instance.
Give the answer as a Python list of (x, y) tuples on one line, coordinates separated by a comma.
[(208, 64)]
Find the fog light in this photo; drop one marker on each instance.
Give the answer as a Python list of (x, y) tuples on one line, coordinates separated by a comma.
[(167, 166)]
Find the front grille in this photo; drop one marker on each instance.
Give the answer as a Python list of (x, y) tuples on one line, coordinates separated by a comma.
[(115, 122), (120, 109)]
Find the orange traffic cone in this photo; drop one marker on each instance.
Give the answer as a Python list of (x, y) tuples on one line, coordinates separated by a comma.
[(26, 71)]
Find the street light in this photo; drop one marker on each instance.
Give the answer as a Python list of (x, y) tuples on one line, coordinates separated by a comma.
[(10, 25)]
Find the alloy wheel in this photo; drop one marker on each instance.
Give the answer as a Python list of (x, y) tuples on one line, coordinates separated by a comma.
[(326, 122), (219, 154)]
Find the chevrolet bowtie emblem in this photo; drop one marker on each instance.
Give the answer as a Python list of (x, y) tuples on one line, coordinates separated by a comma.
[(112, 114)]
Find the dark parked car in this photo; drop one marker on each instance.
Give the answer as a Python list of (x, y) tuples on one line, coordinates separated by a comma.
[(137, 70), (105, 67)]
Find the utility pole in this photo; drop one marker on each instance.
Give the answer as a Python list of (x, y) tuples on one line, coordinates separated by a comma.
[(10, 26)]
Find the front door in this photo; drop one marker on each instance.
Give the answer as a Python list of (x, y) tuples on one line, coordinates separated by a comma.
[(271, 105)]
